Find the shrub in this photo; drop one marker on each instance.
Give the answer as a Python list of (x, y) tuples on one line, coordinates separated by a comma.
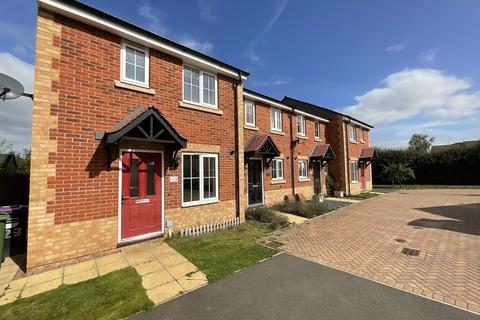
[(267, 215), (306, 209)]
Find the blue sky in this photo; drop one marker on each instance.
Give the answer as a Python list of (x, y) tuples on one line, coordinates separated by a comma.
[(404, 66)]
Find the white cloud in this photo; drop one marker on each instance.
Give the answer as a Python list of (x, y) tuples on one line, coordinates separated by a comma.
[(202, 46), (16, 115), (154, 18), (19, 38), (430, 55), (250, 52), (410, 93), (206, 10), (398, 47), (273, 82)]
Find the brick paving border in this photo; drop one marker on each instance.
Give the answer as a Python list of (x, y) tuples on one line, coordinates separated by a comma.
[(365, 239)]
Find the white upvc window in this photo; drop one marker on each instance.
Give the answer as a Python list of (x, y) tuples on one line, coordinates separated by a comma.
[(276, 120), (250, 113), (199, 178), (302, 169), (134, 67), (317, 130), (300, 125), (354, 169), (352, 132), (277, 169), (199, 87), (362, 135)]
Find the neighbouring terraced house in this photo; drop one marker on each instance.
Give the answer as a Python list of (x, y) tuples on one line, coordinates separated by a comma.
[(134, 134)]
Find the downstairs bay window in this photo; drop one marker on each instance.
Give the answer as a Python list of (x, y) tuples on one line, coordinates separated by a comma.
[(200, 178)]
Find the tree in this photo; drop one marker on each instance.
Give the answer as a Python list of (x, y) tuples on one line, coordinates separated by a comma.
[(420, 143), (398, 174)]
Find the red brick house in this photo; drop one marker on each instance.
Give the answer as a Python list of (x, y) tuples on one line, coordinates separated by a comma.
[(134, 135), (350, 141), (131, 132)]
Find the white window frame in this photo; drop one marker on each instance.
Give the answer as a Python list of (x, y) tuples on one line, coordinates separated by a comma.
[(362, 135), (303, 123), (300, 175), (201, 177), (250, 124), (352, 133), (317, 130), (273, 122), (275, 170), (123, 61), (354, 164), (200, 94)]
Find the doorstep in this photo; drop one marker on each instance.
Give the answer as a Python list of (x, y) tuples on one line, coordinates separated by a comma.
[(165, 273)]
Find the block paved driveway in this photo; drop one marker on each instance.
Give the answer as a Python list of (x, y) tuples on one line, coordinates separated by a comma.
[(367, 238)]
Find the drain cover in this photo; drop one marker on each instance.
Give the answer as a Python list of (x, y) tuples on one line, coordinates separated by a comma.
[(410, 252), (274, 244)]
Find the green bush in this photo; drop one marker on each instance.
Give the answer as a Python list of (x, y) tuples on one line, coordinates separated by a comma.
[(306, 209), (267, 215)]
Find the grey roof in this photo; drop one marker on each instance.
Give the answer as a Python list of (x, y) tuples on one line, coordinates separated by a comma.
[(317, 110)]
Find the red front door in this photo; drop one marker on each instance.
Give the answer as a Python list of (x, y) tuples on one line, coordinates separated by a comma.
[(362, 176), (141, 194)]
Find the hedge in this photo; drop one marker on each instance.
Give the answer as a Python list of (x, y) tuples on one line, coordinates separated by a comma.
[(456, 166)]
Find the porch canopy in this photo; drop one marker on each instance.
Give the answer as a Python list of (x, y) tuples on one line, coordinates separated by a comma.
[(368, 155), (142, 124), (261, 145), (322, 152), (145, 124)]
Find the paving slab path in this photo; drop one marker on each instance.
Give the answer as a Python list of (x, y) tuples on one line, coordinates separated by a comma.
[(165, 273), (422, 241)]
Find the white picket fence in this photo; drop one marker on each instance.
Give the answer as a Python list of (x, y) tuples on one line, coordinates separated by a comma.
[(210, 227)]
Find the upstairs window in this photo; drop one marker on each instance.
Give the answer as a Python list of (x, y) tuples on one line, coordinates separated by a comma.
[(300, 125), (277, 169), (302, 169), (352, 132), (250, 113), (362, 135), (199, 87), (276, 119), (317, 130), (135, 64)]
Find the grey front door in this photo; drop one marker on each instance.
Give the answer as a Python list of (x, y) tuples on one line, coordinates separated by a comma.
[(317, 177), (255, 182)]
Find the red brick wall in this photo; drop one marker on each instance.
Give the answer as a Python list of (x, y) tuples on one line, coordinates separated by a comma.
[(88, 102)]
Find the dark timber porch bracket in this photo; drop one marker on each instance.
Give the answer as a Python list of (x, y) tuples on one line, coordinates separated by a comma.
[(261, 146), (322, 153), (368, 155), (142, 124)]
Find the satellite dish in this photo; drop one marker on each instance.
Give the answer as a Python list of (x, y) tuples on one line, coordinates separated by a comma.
[(11, 89)]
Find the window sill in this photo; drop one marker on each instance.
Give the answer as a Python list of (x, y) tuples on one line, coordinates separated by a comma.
[(280, 133), (250, 128), (133, 87), (195, 204), (197, 107), (353, 141), (278, 181), (303, 180), (362, 142), (302, 137), (318, 140), (354, 182)]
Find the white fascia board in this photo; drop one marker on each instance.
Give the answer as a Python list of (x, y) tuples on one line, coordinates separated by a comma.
[(311, 116), (267, 101), (136, 37), (349, 120)]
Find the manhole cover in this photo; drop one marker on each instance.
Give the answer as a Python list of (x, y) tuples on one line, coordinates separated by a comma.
[(274, 244), (410, 252)]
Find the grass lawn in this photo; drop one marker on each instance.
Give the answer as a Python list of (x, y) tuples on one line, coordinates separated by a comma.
[(221, 253), (424, 186), (363, 196), (113, 296)]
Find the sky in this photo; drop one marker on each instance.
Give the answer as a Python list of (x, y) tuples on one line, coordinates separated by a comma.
[(403, 66)]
